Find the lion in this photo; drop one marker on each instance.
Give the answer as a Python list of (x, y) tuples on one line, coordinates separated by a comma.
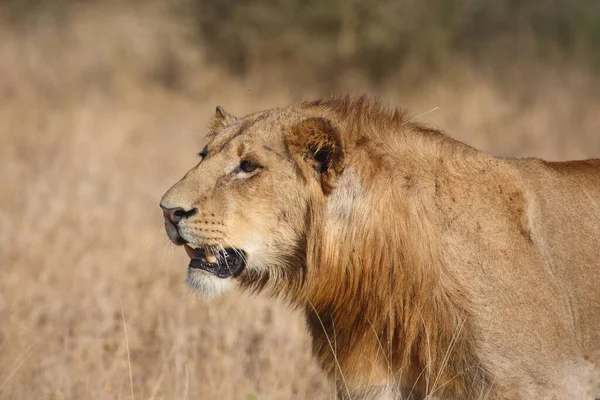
[(424, 267)]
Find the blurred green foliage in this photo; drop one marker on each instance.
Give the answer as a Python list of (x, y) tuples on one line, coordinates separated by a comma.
[(382, 36), (378, 37)]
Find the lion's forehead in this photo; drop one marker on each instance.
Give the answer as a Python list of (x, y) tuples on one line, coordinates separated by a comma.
[(263, 130)]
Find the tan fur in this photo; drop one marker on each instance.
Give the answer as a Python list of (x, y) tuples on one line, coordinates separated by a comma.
[(424, 266)]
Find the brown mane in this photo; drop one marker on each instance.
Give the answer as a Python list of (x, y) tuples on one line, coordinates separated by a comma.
[(374, 287), (361, 117)]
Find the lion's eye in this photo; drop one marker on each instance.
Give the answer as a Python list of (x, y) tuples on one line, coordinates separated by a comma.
[(248, 166)]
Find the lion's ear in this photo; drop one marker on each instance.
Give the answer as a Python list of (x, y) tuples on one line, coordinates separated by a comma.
[(221, 119), (317, 143)]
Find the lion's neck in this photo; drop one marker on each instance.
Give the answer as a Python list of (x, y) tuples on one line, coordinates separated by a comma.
[(377, 305)]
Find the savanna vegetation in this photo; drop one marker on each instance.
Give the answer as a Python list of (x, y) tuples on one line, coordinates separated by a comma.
[(103, 104)]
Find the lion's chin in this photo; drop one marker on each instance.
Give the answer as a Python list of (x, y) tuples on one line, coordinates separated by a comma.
[(206, 284)]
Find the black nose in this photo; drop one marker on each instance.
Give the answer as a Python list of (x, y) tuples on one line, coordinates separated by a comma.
[(174, 215)]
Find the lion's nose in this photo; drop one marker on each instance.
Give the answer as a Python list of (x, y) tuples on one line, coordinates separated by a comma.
[(174, 215)]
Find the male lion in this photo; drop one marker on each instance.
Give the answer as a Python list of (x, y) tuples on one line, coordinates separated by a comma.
[(424, 266)]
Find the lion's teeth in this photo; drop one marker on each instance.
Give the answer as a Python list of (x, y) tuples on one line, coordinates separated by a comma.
[(210, 257)]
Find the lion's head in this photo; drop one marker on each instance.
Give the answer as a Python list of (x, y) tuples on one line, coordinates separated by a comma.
[(241, 212)]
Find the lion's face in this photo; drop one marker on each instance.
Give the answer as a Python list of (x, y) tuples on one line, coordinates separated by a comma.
[(242, 208)]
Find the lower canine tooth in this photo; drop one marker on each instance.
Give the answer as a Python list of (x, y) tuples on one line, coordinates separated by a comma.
[(210, 258)]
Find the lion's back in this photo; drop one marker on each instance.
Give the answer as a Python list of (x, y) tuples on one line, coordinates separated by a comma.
[(564, 217)]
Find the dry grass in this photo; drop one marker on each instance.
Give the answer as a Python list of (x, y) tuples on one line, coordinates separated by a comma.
[(92, 301)]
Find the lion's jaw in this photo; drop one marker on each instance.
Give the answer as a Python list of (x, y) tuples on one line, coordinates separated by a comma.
[(235, 220)]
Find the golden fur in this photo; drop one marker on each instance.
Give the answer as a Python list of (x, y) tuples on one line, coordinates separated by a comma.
[(424, 266)]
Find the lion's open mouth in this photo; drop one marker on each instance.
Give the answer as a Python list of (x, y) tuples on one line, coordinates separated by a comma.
[(223, 263)]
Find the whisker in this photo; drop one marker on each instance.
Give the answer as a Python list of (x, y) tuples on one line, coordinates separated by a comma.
[(225, 258), (239, 253), (215, 253)]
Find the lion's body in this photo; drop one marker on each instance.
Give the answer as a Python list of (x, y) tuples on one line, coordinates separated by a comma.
[(424, 265)]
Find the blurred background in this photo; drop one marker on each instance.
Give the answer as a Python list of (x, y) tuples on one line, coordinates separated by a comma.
[(104, 105)]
